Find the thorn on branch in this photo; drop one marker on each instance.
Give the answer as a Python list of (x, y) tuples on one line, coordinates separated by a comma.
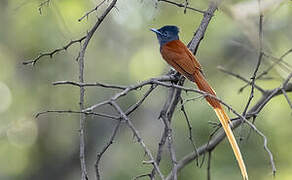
[(86, 15), (42, 4)]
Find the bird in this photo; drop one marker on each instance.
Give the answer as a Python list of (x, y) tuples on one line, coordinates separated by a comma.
[(177, 55)]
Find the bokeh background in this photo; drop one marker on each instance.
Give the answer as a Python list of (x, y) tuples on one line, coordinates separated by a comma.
[(124, 51)]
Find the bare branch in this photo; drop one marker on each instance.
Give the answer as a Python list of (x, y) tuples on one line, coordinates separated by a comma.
[(265, 145), (136, 105), (52, 53), (279, 61), (287, 98), (209, 166), (131, 88), (141, 176), (275, 63), (89, 84), (285, 84), (284, 91), (199, 34), (159, 151), (77, 112), (239, 77), (91, 11), (82, 90), (192, 99), (137, 135), (166, 113), (266, 71), (185, 6), (190, 128), (110, 142), (236, 122), (170, 146), (253, 78)]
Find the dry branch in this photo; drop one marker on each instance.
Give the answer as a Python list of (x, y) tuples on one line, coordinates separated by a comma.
[(185, 6), (91, 11), (253, 78), (138, 136), (82, 90), (236, 122), (52, 53)]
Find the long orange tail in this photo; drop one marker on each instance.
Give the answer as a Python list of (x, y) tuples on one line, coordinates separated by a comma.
[(224, 120)]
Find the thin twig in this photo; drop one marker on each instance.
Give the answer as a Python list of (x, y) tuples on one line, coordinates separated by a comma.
[(136, 105), (287, 98), (277, 61), (217, 126), (131, 88), (250, 130), (285, 84), (209, 166), (141, 176), (191, 99), (153, 81), (89, 84), (185, 6), (137, 135), (265, 145), (190, 129), (77, 112), (52, 53), (104, 149), (284, 91), (266, 71), (91, 11), (239, 77), (170, 146), (253, 78), (159, 152)]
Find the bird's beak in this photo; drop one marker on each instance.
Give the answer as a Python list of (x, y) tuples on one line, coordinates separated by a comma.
[(156, 31)]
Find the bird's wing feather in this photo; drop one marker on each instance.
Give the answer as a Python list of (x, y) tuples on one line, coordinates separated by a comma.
[(177, 55)]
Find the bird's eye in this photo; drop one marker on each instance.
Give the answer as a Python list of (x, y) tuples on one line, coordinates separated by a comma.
[(165, 33)]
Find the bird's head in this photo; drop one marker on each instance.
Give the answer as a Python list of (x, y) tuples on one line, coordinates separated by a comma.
[(166, 34)]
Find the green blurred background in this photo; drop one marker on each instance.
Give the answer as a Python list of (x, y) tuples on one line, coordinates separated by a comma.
[(124, 51)]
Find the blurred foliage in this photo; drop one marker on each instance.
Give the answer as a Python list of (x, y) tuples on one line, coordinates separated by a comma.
[(124, 51)]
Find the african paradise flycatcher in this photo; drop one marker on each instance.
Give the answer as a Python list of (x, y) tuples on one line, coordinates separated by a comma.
[(177, 55)]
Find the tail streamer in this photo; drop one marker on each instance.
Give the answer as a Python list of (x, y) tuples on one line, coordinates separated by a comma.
[(224, 121), (203, 85)]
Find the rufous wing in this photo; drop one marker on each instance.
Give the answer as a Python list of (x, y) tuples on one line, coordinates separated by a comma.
[(176, 54)]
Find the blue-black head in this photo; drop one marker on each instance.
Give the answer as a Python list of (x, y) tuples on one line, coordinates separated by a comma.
[(166, 34)]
